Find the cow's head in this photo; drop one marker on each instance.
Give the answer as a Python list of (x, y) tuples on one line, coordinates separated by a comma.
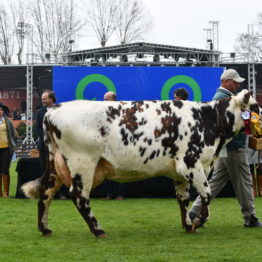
[(250, 111)]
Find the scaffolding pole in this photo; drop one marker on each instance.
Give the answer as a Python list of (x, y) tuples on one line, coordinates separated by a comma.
[(29, 140), (252, 79), (215, 34), (251, 62)]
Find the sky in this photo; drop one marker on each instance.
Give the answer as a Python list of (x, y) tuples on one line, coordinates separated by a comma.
[(181, 22)]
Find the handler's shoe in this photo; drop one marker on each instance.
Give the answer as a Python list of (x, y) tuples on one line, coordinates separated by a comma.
[(253, 222)]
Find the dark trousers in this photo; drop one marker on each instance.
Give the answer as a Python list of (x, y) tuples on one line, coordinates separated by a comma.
[(114, 189), (5, 160)]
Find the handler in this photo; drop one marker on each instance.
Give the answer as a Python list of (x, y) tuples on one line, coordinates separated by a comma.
[(234, 166)]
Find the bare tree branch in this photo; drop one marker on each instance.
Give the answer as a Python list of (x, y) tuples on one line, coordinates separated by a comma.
[(101, 18), (19, 13), (248, 43), (55, 23), (132, 21), (6, 35)]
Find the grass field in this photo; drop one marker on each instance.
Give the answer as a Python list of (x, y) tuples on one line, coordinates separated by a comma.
[(137, 230)]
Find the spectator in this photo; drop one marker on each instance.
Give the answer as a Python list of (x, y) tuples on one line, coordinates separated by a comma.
[(115, 190), (109, 96), (8, 138), (23, 116), (180, 94), (16, 114), (48, 101), (255, 165), (23, 105), (233, 165)]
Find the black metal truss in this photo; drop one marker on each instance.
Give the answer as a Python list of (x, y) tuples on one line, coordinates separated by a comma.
[(142, 53)]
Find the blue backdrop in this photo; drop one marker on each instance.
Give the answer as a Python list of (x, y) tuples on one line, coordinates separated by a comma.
[(135, 83)]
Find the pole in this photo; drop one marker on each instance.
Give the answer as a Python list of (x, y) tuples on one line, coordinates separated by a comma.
[(29, 140)]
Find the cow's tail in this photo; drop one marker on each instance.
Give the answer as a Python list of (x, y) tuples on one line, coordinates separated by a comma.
[(31, 189)]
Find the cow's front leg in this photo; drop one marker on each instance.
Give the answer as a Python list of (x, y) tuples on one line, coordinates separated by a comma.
[(49, 185), (80, 190), (182, 194), (201, 184)]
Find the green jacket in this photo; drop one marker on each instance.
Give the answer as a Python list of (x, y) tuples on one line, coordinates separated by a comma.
[(11, 135), (239, 141)]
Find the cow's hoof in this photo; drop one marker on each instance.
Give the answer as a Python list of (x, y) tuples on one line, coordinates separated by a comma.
[(188, 228), (193, 228), (102, 235), (195, 223), (46, 233)]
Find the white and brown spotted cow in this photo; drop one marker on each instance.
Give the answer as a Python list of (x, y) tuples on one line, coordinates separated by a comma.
[(127, 141)]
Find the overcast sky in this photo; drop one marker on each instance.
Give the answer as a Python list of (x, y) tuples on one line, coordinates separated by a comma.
[(181, 22)]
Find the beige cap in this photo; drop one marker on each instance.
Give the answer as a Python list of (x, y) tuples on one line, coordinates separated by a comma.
[(232, 74)]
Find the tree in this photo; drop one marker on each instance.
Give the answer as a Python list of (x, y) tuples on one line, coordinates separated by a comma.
[(250, 42), (101, 18), (247, 43), (55, 23), (132, 21), (6, 35), (19, 14)]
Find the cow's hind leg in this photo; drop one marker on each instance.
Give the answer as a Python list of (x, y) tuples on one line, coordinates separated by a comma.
[(49, 185), (80, 190), (182, 194)]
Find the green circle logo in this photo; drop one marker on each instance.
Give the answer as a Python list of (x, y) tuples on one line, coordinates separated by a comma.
[(84, 82), (181, 79)]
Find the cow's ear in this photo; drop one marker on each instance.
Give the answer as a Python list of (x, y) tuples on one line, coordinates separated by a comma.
[(243, 98)]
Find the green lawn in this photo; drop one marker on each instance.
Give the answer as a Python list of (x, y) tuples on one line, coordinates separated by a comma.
[(137, 230)]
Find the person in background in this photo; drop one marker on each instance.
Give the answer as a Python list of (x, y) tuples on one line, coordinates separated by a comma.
[(114, 189), (16, 114), (48, 101), (233, 164), (23, 116), (109, 96), (180, 94), (255, 165), (8, 136)]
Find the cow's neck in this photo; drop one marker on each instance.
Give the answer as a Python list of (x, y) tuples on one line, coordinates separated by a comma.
[(227, 123), (222, 124)]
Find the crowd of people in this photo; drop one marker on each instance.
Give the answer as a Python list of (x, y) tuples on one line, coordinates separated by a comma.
[(16, 114), (236, 163)]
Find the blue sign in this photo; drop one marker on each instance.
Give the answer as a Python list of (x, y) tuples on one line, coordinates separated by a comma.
[(135, 83)]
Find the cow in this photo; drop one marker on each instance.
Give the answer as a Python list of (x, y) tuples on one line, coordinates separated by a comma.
[(89, 141)]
